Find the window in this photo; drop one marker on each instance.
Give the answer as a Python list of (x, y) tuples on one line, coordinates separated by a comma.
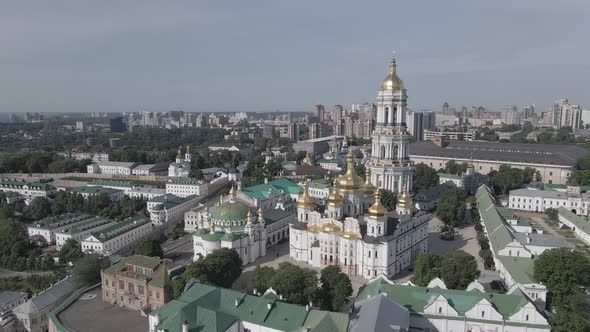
[(369, 254), (140, 289), (440, 310), (483, 314), (121, 285), (526, 317)]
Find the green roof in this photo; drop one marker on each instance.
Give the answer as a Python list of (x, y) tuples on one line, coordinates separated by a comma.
[(95, 190), (581, 223), (319, 320), (86, 225), (556, 186), (264, 190), (320, 184), (183, 180), (416, 298), (520, 268), (113, 183), (210, 309), (168, 201), (32, 185), (119, 228), (61, 221), (229, 211)]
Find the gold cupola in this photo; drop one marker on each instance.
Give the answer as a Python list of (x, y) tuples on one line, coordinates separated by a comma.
[(368, 187), (305, 201), (179, 153), (377, 210), (392, 82), (350, 181), (335, 199), (307, 160), (405, 200)]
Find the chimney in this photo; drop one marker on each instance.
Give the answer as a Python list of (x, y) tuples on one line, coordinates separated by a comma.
[(255, 291), (439, 141), (237, 302), (185, 326), (528, 238), (269, 306), (265, 180)]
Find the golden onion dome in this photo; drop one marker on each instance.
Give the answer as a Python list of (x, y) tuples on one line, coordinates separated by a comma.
[(377, 210), (232, 191), (307, 160), (335, 199), (350, 181), (305, 201), (392, 82), (368, 187), (330, 228), (405, 200)]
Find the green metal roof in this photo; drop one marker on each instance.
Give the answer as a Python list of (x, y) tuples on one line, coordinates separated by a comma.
[(262, 191), (62, 220), (319, 320), (417, 298), (169, 201), (86, 225), (119, 228), (556, 186), (32, 185), (581, 223), (229, 211), (320, 184), (95, 190), (450, 176), (183, 180), (520, 268), (212, 309)]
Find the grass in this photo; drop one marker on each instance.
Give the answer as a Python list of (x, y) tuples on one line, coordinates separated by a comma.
[(153, 183)]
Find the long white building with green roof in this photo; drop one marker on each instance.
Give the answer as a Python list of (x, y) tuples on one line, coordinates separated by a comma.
[(579, 225), (117, 236), (81, 230), (207, 308), (43, 231), (170, 208), (267, 195), (382, 305), (29, 190), (513, 259)]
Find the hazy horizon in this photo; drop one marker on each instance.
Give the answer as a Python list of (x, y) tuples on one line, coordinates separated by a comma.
[(110, 56)]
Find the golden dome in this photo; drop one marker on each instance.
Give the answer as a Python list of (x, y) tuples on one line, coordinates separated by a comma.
[(330, 228), (377, 210), (392, 82), (405, 200), (368, 187), (232, 191), (335, 199), (306, 160), (304, 201), (350, 181)]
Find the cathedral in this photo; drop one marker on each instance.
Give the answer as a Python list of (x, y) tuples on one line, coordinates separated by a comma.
[(390, 164), (353, 230), (182, 166)]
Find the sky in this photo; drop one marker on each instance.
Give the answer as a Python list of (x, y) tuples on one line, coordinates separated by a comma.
[(196, 56)]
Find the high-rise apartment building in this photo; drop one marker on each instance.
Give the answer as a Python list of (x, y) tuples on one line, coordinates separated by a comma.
[(566, 114), (315, 130), (293, 131), (511, 115), (418, 121)]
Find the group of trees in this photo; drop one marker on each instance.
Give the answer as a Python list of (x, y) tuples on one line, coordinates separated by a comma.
[(581, 175), (547, 136), (451, 207), (15, 251), (425, 177), (508, 178), (455, 168), (299, 285), (220, 268), (457, 269), (86, 271), (565, 273), (33, 284), (150, 246), (40, 162), (485, 252)]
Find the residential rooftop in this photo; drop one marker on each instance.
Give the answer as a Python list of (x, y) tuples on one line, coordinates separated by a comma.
[(70, 218), (264, 190), (119, 228), (86, 225), (168, 201), (7, 185)]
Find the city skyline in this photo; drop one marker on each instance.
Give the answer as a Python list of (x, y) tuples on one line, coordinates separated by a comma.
[(74, 57)]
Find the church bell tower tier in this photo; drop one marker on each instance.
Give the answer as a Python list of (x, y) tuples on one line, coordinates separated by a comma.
[(390, 163)]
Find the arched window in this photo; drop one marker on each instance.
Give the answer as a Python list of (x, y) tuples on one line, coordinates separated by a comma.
[(373, 229), (379, 229), (386, 120), (369, 254), (382, 154)]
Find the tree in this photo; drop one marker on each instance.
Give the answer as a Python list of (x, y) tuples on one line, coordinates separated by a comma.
[(426, 268), (300, 156), (563, 271), (573, 315), (552, 214), (508, 178), (86, 272), (196, 173), (454, 168), (459, 269), (451, 208), (38, 209), (583, 163), (263, 277), (336, 288), (297, 285), (579, 178), (388, 199), (220, 268), (425, 177), (360, 170), (70, 252), (149, 246)]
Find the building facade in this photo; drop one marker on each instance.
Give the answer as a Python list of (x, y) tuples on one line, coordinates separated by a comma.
[(184, 187), (535, 200), (390, 164), (182, 166), (117, 236), (170, 208)]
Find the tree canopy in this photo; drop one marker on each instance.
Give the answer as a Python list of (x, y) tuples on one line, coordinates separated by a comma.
[(149, 246), (459, 269), (451, 207), (70, 252), (87, 269), (426, 268), (508, 178), (220, 268), (388, 199), (453, 167), (335, 288), (425, 177)]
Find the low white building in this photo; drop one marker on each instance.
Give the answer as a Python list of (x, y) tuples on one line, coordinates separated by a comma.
[(184, 187), (536, 200), (117, 236), (114, 195), (10, 300), (579, 225), (318, 189), (111, 168), (80, 230), (145, 193), (112, 184), (95, 157), (43, 231), (142, 170), (170, 208), (29, 190)]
